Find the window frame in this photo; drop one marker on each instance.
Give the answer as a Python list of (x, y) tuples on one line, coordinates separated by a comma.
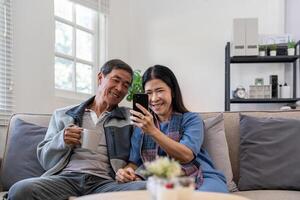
[(96, 54)]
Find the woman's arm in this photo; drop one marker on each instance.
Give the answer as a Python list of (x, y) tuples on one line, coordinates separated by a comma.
[(187, 148), (174, 149)]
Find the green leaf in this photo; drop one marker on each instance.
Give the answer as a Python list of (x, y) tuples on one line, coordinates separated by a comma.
[(136, 86)]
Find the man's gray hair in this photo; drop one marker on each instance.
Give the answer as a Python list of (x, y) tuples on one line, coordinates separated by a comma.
[(115, 64)]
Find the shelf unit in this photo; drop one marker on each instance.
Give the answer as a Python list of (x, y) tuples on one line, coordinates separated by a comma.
[(258, 59)]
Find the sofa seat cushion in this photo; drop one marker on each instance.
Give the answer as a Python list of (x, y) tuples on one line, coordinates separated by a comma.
[(270, 194)]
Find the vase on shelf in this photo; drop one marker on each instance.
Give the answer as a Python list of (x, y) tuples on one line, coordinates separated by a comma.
[(273, 53), (262, 50), (291, 47), (262, 53), (291, 51), (273, 48)]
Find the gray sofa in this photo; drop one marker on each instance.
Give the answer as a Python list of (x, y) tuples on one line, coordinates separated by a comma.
[(232, 132)]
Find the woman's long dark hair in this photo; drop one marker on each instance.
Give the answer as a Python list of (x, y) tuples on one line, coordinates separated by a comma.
[(167, 76)]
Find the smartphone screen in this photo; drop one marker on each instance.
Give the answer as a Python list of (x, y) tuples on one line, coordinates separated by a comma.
[(142, 99)]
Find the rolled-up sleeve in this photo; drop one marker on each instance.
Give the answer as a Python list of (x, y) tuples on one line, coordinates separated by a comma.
[(193, 132)]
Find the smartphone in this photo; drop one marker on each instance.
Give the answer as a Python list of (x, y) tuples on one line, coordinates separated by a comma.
[(141, 99)]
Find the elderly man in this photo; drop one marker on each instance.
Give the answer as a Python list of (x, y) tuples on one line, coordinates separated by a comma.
[(72, 170)]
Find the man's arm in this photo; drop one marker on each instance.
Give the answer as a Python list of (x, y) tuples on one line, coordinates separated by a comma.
[(53, 148)]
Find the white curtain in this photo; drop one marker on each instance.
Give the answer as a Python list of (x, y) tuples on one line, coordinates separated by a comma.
[(6, 67)]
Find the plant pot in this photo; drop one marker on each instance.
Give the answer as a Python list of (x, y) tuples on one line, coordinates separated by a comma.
[(262, 53), (180, 188), (273, 53), (291, 51), (158, 189)]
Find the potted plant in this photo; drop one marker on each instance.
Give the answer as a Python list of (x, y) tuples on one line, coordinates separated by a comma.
[(262, 50), (136, 86), (161, 173), (291, 47), (273, 48)]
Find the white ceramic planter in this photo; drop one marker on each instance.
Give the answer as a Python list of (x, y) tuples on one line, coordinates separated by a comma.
[(157, 189), (291, 51), (182, 188), (262, 53), (273, 53)]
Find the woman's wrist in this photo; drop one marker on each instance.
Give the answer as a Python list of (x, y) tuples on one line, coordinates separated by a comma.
[(155, 133)]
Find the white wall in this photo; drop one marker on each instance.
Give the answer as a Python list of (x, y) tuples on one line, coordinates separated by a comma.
[(190, 36), (292, 25), (292, 18), (33, 55), (33, 51), (118, 30)]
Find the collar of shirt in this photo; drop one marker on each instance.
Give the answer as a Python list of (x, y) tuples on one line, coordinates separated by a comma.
[(94, 116)]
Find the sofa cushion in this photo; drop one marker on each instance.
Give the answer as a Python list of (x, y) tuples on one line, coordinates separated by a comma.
[(20, 161), (216, 146), (268, 148)]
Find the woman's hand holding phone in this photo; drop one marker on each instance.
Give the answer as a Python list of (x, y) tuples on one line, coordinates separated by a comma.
[(143, 120), (142, 99)]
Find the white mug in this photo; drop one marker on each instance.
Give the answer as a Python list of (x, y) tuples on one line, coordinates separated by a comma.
[(89, 139)]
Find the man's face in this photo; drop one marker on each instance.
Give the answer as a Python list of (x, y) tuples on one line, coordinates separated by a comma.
[(114, 86)]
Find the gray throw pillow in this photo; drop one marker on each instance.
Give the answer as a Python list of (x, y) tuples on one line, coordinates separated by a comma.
[(20, 161), (269, 153), (216, 145)]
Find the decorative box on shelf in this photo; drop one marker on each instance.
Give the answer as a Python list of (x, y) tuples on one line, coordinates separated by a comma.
[(260, 91)]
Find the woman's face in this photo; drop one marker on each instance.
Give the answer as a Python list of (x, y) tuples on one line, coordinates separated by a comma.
[(160, 98)]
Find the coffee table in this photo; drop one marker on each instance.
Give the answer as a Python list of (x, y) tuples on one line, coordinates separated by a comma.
[(144, 195)]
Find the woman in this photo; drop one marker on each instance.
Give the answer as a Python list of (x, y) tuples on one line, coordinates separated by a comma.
[(169, 129)]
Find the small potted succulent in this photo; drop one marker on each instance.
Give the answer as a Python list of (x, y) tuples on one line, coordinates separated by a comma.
[(262, 50), (273, 48), (291, 47)]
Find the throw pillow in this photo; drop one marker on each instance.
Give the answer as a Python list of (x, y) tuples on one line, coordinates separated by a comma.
[(269, 150), (216, 145), (20, 161)]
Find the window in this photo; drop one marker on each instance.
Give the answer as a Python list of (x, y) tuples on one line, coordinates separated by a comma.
[(6, 68), (78, 40)]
